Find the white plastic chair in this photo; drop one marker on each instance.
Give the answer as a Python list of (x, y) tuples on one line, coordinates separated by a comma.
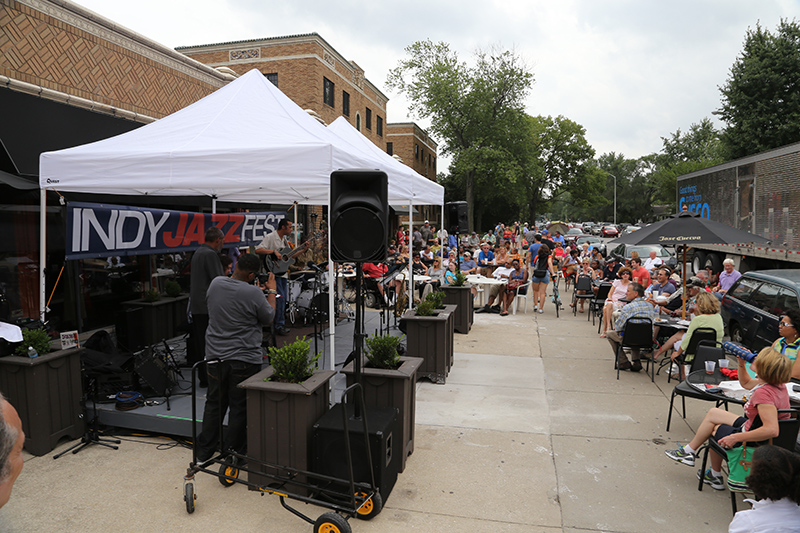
[(525, 297)]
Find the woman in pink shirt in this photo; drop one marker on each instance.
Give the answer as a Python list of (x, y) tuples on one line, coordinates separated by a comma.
[(619, 288)]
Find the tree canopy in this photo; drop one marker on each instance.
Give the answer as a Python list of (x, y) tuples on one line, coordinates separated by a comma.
[(761, 97)]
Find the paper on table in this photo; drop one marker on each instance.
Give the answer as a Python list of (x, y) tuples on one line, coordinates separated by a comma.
[(683, 322), (792, 394)]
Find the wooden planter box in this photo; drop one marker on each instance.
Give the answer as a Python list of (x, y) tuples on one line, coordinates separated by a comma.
[(162, 318), (280, 420), (47, 392), (451, 325), (462, 298), (392, 388), (427, 337)]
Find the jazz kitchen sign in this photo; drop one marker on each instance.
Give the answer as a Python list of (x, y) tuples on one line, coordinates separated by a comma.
[(101, 230)]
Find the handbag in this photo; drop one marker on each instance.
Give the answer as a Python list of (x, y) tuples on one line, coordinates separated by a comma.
[(739, 464)]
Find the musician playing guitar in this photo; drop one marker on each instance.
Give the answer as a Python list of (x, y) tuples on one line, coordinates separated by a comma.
[(272, 245)]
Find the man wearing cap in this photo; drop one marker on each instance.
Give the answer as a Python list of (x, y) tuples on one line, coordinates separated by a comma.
[(674, 304), (547, 240), (426, 233), (611, 268), (468, 266)]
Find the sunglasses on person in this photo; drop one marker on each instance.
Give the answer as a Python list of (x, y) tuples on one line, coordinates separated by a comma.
[(785, 324)]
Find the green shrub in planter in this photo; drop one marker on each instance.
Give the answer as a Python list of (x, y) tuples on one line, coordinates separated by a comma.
[(151, 296), (460, 281), (425, 308), (383, 351), (38, 338), (291, 363), (437, 298), (172, 288)]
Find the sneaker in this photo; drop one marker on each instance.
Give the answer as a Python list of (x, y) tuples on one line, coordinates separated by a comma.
[(681, 456), (541, 311), (710, 479), (535, 308)]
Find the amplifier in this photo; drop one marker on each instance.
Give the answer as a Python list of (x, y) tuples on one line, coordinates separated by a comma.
[(329, 455)]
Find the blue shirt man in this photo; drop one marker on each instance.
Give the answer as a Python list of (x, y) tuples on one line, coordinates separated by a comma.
[(485, 256)]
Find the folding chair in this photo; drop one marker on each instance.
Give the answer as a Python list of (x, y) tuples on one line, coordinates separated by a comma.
[(525, 287), (707, 350), (700, 334), (597, 303), (583, 283), (788, 429), (637, 334)]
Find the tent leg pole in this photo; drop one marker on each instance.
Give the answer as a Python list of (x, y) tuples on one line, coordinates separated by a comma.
[(410, 254), (42, 252)]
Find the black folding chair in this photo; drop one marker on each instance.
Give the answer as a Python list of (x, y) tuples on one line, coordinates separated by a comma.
[(583, 283), (700, 334), (788, 429), (597, 303), (707, 350), (637, 334)]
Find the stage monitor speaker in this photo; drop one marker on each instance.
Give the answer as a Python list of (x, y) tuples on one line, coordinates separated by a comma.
[(359, 215), (329, 451), (153, 372), (129, 327), (457, 217)]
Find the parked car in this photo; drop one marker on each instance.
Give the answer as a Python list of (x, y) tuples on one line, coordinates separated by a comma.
[(752, 307), (609, 231), (626, 250), (587, 227), (572, 234), (594, 242)]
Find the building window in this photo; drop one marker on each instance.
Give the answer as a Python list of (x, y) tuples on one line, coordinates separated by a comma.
[(346, 103), (390, 148), (273, 77), (416, 151), (379, 125), (358, 121), (369, 118), (328, 89)]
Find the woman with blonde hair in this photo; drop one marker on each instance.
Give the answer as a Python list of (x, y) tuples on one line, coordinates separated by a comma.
[(730, 430)]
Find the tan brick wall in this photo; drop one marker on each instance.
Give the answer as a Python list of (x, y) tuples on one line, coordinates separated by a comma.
[(301, 63), (414, 147), (45, 51)]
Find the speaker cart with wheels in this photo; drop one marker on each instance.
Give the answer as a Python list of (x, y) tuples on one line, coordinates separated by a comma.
[(360, 500)]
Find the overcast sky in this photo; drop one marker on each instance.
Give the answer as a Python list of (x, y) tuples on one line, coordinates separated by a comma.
[(629, 71)]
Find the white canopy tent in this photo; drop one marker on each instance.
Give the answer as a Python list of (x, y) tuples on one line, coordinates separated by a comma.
[(246, 142)]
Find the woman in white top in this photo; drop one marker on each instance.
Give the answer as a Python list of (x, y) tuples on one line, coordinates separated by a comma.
[(619, 288)]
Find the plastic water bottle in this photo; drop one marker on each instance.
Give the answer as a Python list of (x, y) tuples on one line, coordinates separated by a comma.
[(32, 352)]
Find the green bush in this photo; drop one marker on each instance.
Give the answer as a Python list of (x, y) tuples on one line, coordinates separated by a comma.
[(151, 296), (425, 308), (172, 288), (382, 351), (38, 338), (460, 281), (291, 363), (437, 298)]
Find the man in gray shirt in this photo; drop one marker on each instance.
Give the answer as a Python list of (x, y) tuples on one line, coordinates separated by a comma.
[(206, 266), (237, 310)]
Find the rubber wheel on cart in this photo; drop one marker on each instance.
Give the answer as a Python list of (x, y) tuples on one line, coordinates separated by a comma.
[(371, 508), (331, 523), (370, 299), (228, 473), (189, 497)]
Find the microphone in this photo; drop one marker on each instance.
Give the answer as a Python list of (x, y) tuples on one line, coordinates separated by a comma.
[(311, 264)]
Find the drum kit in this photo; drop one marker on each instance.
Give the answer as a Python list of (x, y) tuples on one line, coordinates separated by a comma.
[(308, 297)]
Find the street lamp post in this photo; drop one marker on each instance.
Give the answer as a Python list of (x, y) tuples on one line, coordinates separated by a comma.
[(615, 198)]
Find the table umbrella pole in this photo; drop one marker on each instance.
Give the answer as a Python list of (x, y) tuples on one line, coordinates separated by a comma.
[(683, 296)]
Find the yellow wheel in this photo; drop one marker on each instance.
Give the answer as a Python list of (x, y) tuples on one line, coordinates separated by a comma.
[(331, 523), (228, 473), (371, 507)]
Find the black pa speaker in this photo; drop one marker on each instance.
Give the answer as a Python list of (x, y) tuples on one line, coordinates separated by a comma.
[(359, 215), (457, 217), (329, 450), (152, 372)]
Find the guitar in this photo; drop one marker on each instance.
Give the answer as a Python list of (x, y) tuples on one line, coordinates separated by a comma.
[(279, 262)]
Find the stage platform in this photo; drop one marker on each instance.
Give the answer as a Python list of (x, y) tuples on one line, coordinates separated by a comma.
[(177, 420)]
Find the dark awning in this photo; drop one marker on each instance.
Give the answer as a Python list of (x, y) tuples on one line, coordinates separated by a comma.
[(31, 125)]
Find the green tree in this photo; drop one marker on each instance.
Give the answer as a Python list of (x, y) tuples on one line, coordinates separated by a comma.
[(474, 110), (559, 160), (761, 97)]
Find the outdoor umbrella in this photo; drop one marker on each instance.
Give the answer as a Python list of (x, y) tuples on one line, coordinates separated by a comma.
[(559, 227), (685, 229)]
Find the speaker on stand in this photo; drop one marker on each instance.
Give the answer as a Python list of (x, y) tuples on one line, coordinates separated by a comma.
[(457, 222)]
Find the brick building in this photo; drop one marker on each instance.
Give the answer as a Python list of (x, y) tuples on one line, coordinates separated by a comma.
[(414, 146), (68, 77)]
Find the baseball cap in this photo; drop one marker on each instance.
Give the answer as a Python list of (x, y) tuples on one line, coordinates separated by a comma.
[(694, 281)]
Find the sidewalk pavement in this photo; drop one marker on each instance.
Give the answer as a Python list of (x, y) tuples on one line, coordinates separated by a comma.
[(531, 432)]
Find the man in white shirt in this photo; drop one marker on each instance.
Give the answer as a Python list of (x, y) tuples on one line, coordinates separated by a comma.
[(652, 262), (273, 244), (496, 289)]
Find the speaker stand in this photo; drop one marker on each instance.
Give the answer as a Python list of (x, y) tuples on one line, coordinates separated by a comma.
[(92, 435)]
